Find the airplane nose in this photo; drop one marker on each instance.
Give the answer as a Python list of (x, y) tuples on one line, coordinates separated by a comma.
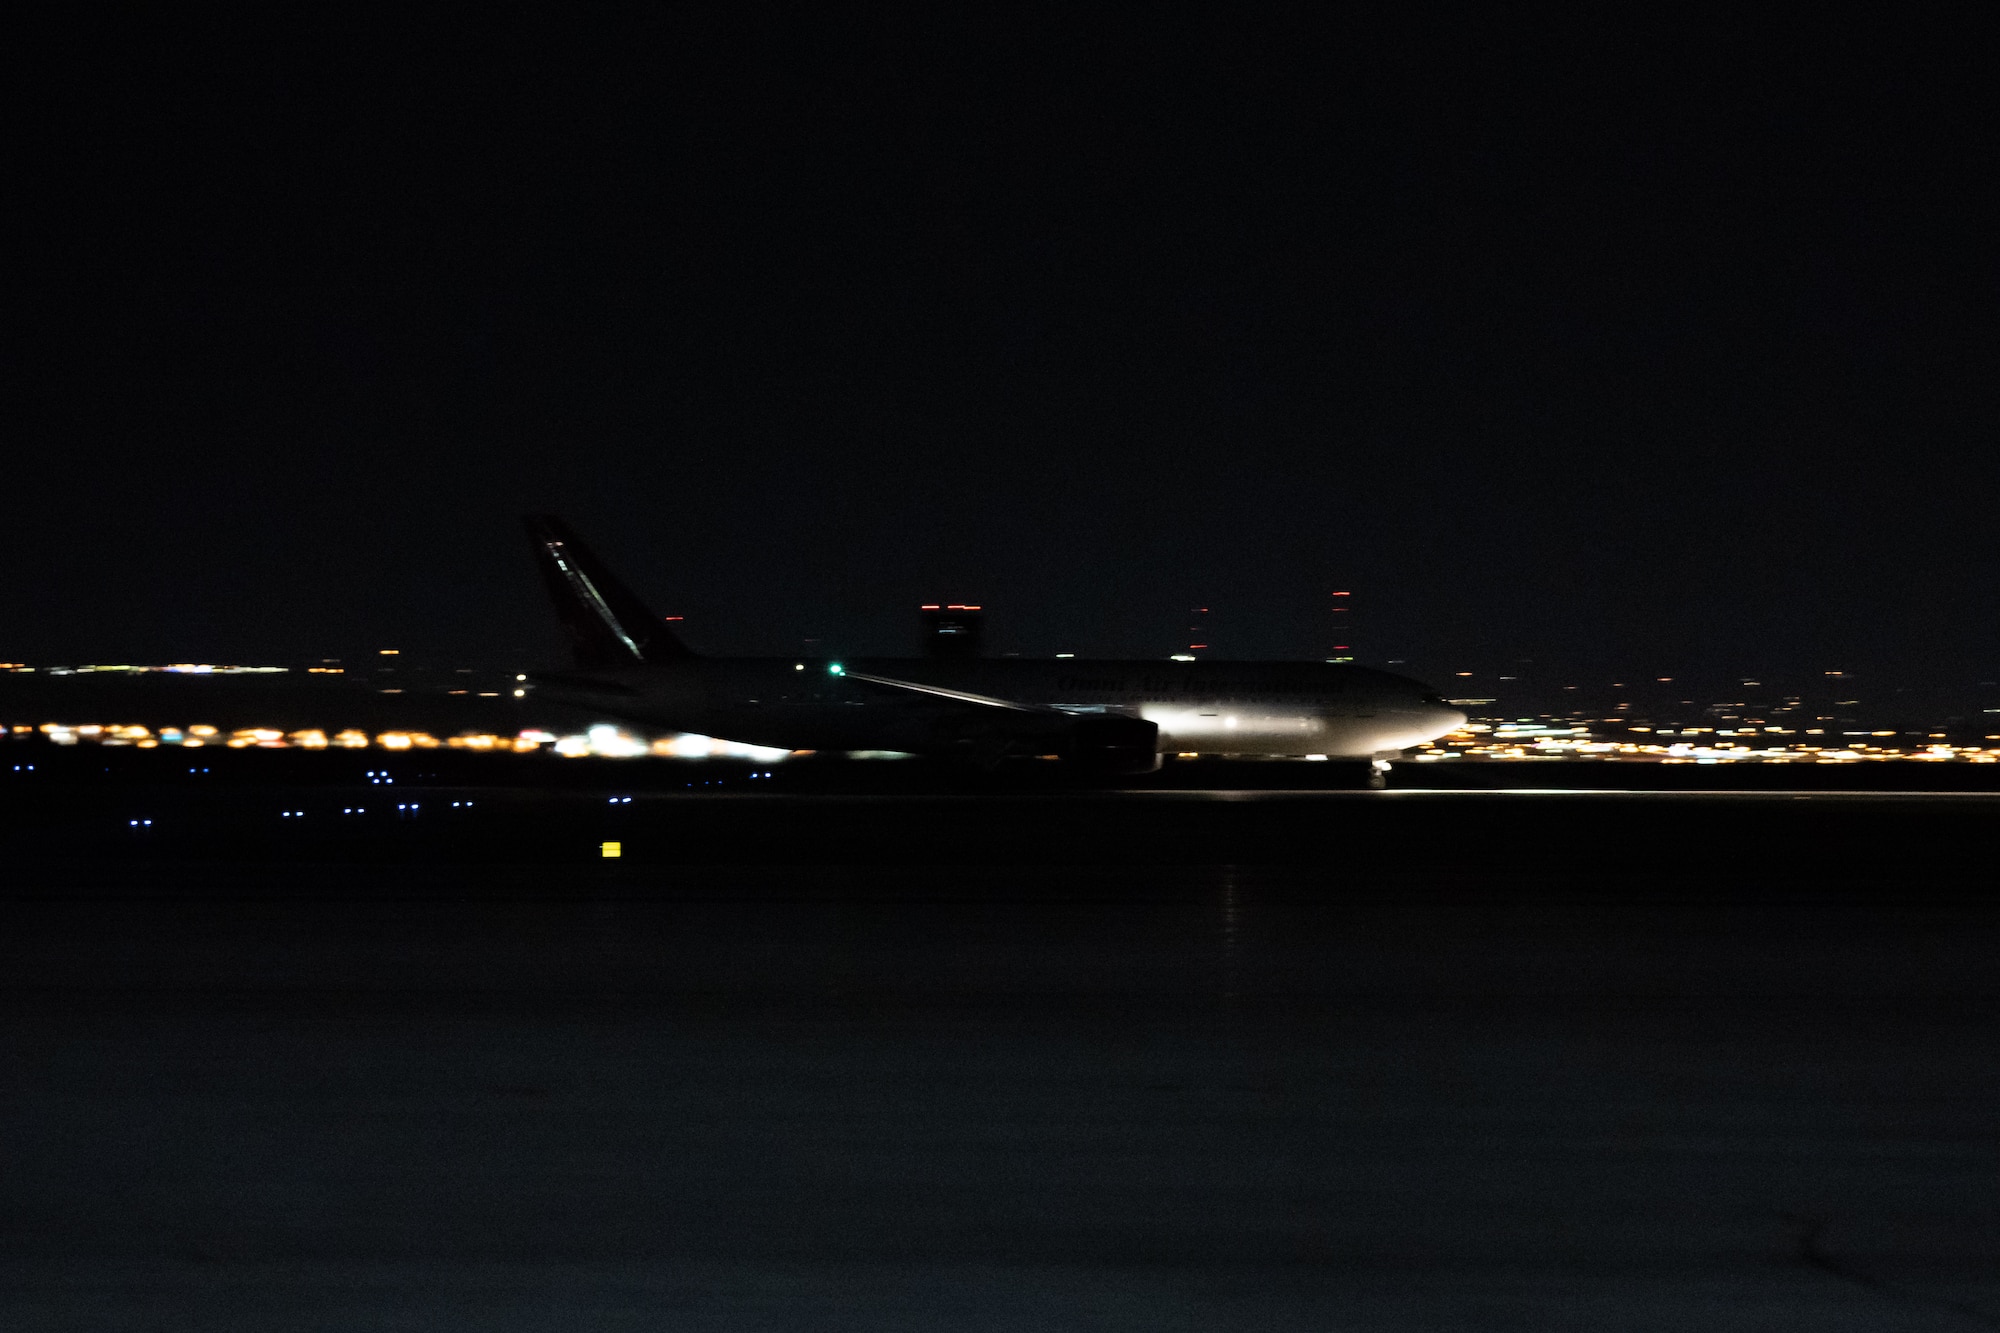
[(1440, 717), (1430, 716)]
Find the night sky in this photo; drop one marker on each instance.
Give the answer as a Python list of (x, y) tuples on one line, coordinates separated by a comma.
[(1668, 348)]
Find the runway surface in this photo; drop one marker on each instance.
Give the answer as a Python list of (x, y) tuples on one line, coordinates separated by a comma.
[(1348, 1061)]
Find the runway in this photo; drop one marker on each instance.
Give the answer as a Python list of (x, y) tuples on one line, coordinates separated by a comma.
[(1508, 1076)]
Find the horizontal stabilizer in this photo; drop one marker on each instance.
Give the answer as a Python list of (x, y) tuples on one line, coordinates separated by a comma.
[(608, 626)]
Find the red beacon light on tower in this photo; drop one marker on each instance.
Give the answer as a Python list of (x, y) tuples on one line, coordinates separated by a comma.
[(1341, 652)]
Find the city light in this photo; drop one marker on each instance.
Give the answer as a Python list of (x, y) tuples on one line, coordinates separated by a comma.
[(1740, 726), (1531, 742), (605, 740)]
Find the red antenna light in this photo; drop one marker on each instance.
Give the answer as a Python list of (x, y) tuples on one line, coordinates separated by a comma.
[(1198, 630)]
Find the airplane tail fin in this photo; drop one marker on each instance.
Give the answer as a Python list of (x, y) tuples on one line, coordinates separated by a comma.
[(607, 625)]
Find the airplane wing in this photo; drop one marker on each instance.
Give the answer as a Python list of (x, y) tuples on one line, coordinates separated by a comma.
[(940, 692), (1111, 743)]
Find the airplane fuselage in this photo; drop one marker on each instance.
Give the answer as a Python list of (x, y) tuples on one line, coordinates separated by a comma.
[(1213, 707)]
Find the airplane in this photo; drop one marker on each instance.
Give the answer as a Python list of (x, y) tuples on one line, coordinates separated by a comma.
[(1105, 717)]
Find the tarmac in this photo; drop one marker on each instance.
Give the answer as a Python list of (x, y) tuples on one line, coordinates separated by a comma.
[(1375, 1061)]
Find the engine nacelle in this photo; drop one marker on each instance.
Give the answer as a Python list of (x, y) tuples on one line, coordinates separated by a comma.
[(1112, 744)]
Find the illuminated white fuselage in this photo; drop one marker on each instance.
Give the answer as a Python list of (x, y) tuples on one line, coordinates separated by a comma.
[(1245, 708), (1261, 708)]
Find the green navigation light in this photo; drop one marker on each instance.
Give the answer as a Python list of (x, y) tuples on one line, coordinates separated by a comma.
[(835, 669)]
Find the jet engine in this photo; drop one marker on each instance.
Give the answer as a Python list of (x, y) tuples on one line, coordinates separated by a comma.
[(1112, 744)]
